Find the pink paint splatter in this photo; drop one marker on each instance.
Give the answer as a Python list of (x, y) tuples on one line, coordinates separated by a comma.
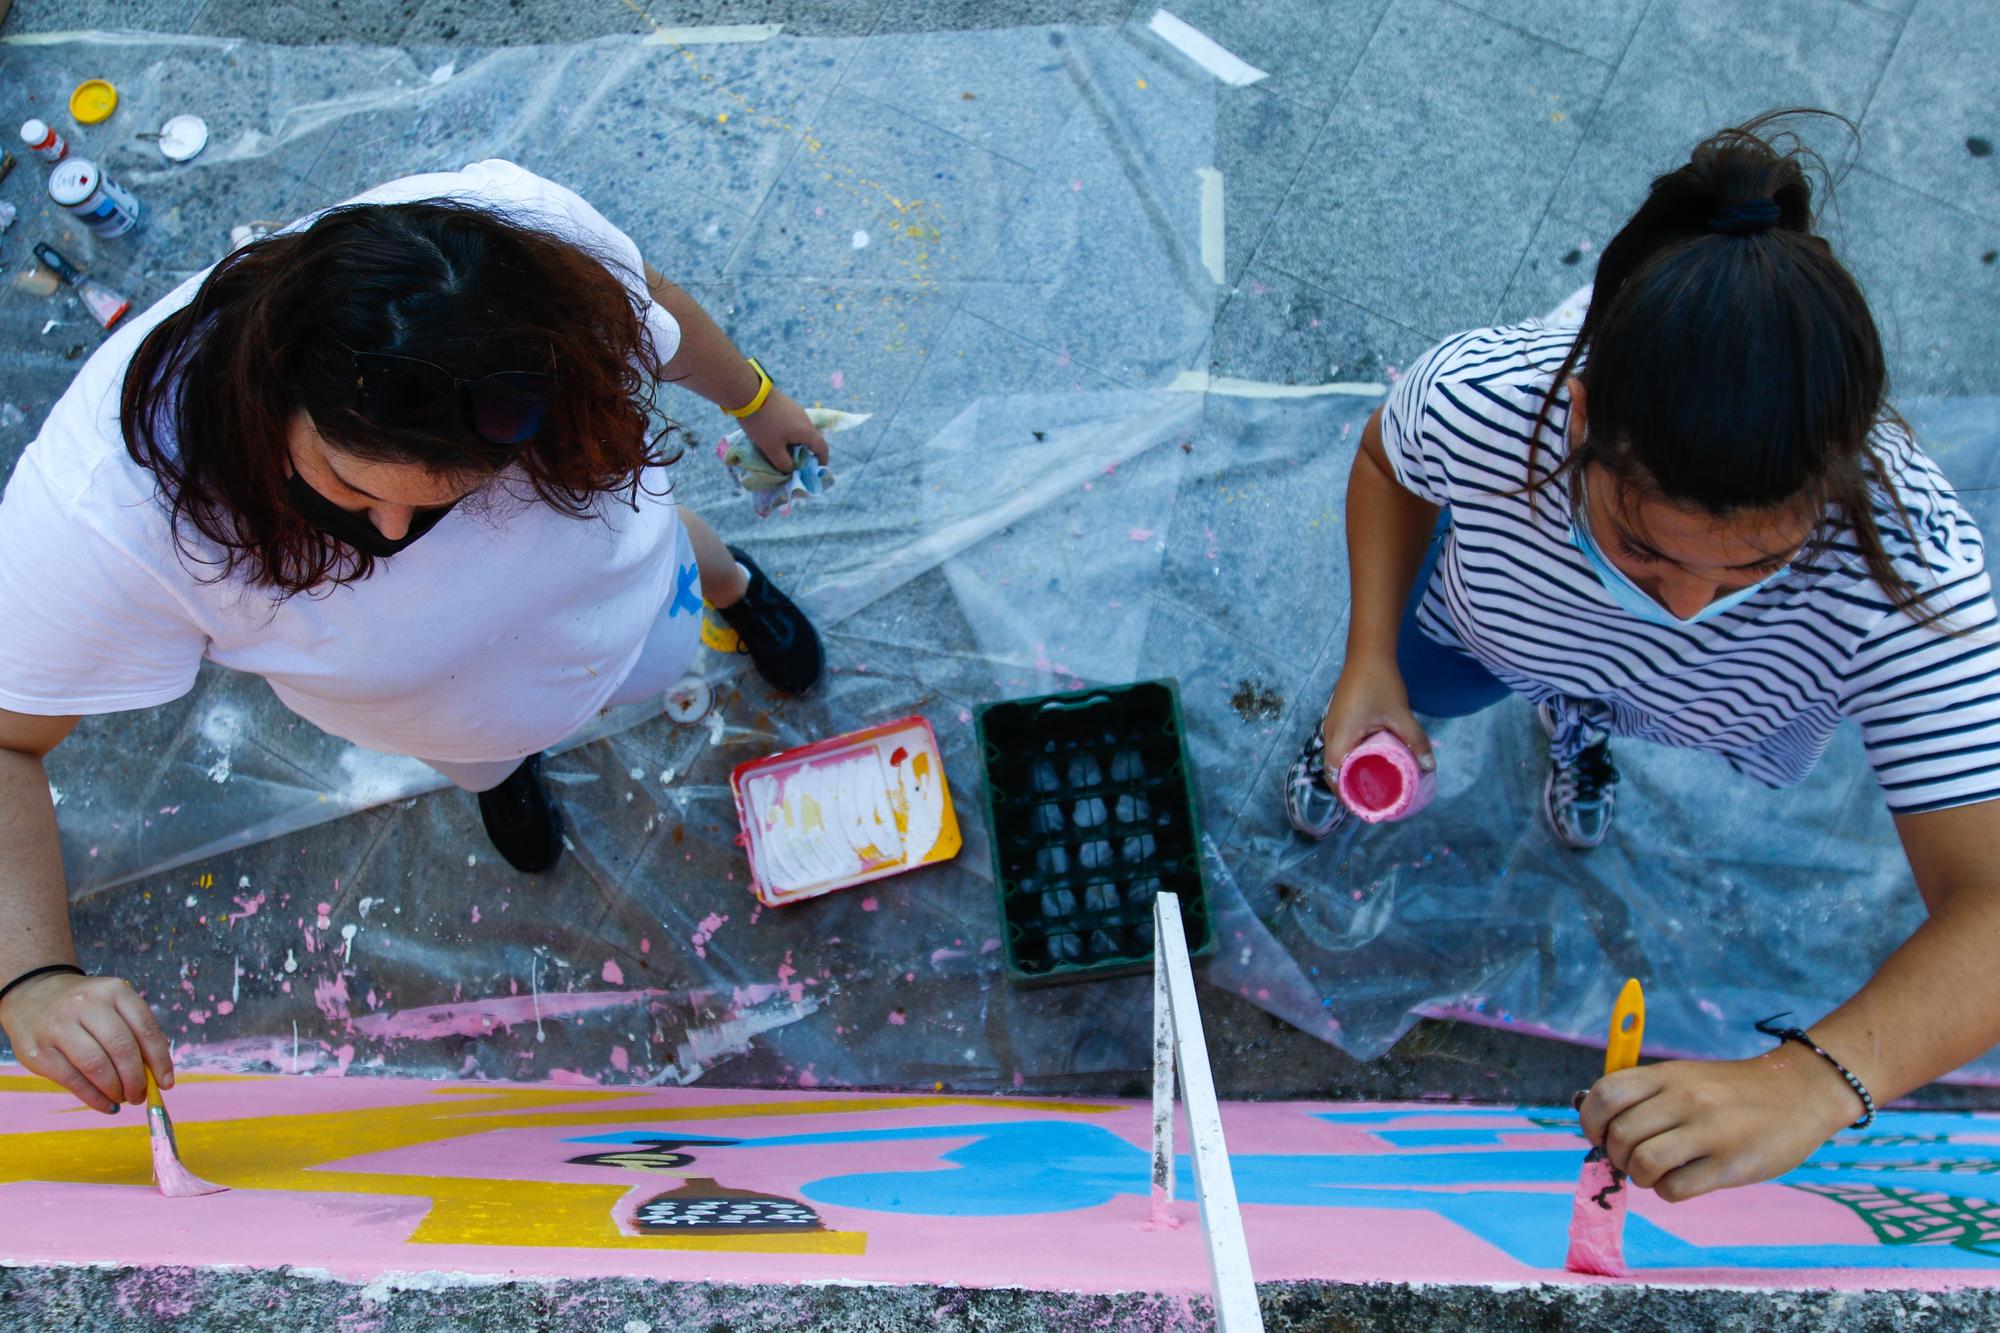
[(808, 1079), (704, 932), (331, 997), (475, 914), (614, 973), (870, 905), (645, 945), (1140, 534), (621, 1059), (837, 380), (965, 715), (897, 1018), (249, 906), (224, 1008), (989, 946), (569, 1078), (325, 916)]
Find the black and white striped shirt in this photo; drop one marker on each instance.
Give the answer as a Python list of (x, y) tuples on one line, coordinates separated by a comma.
[(1764, 684)]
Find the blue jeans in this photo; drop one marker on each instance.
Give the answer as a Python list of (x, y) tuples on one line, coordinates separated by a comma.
[(1443, 682)]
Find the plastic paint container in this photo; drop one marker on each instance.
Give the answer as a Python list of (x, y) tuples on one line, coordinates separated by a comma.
[(183, 137), (43, 141), (102, 204), (1380, 780)]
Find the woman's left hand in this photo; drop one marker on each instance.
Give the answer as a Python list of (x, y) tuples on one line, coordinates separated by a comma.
[(1686, 1127), (778, 425)]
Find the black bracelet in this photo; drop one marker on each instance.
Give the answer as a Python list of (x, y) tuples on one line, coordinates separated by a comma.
[(1768, 1028), (32, 973)]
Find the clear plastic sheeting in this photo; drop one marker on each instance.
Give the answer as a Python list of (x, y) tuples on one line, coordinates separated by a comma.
[(993, 242)]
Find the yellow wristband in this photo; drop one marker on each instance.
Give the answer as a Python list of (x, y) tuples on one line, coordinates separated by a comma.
[(763, 392)]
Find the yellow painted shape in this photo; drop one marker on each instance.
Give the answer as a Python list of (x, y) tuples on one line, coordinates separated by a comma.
[(298, 1153), (1621, 1049)]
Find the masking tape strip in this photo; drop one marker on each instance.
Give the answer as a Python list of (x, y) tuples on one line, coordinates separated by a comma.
[(1200, 381), (1212, 253), (1204, 50), (714, 34)]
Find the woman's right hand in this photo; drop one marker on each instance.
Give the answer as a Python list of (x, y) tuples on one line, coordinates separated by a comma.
[(1371, 697), (93, 1035)]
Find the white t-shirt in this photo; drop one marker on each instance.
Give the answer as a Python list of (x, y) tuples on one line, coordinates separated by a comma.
[(1762, 685), (498, 633)]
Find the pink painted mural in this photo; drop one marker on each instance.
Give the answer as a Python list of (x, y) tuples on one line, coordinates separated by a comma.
[(367, 1177)]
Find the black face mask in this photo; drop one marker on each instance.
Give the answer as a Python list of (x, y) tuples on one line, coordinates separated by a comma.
[(354, 529)]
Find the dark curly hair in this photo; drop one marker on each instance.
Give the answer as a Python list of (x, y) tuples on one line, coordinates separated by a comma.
[(209, 396), (1730, 361)]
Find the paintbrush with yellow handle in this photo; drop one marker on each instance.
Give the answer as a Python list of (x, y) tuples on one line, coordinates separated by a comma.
[(1597, 1213), (175, 1181)]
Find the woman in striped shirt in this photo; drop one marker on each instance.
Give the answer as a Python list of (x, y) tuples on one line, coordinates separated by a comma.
[(1694, 521)]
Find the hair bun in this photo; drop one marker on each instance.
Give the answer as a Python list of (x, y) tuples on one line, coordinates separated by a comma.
[(1746, 217)]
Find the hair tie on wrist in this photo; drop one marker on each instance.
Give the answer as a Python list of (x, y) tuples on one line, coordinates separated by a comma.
[(34, 972), (1799, 1035), (1746, 217)]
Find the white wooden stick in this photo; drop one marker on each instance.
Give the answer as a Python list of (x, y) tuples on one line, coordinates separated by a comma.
[(1163, 1084), (1214, 1187)]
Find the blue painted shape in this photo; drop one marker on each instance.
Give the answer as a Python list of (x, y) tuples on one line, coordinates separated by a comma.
[(687, 593), (1513, 1199)]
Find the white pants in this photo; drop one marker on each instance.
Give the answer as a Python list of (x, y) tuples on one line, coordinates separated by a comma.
[(669, 651)]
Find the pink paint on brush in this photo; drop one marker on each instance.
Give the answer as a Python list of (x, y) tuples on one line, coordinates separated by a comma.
[(1597, 1220), (175, 1181), (1380, 780)]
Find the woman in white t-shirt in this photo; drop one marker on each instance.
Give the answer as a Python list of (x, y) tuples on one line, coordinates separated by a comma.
[(402, 461), (1693, 521)]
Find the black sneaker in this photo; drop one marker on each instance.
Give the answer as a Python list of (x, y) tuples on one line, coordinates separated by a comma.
[(781, 642), (1580, 796), (524, 825)]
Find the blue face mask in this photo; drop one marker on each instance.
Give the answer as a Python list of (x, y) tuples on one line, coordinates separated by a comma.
[(1634, 599)]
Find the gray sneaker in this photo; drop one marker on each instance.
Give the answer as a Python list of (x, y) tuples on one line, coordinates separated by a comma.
[(1581, 794), (1310, 804)]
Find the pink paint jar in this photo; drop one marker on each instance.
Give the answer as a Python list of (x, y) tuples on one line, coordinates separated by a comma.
[(1380, 780)]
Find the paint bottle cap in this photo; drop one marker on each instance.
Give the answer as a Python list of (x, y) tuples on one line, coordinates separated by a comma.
[(33, 132), (72, 181), (183, 137), (93, 101)]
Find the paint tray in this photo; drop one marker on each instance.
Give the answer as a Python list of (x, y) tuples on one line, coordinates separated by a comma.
[(1090, 800), (844, 811)]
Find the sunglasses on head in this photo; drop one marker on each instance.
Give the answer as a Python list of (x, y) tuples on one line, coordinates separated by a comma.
[(399, 392)]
